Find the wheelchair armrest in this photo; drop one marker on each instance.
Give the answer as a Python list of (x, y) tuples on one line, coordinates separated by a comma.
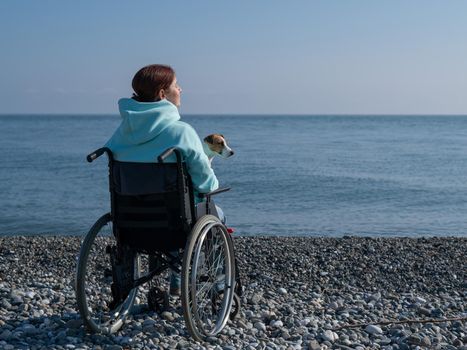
[(212, 193), (97, 153)]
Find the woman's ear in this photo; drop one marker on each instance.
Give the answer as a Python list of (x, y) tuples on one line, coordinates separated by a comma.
[(161, 94)]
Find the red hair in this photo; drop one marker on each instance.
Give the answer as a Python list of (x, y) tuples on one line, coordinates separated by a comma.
[(150, 80)]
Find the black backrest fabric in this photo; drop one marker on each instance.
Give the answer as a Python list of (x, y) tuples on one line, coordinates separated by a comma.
[(144, 178), (147, 206)]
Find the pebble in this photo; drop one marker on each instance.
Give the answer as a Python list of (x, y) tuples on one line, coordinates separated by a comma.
[(372, 329), (424, 311), (260, 326), (76, 323), (167, 316), (277, 324), (299, 293), (420, 300), (5, 335), (330, 336)]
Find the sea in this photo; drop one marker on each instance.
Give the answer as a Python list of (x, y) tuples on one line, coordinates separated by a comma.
[(317, 175)]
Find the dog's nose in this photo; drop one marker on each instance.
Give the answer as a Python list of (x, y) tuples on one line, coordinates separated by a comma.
[(232, 153)]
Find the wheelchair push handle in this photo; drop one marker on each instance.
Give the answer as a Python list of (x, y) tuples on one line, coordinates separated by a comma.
[(168, 152), (97, 153)]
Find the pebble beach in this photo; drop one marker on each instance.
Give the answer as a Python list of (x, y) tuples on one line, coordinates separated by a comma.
[(299, 293)]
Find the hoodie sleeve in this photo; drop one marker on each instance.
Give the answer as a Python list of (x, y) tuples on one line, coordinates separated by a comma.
[(199, 167)]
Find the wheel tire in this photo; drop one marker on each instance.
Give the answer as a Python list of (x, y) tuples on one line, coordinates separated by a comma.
[(214, 269), (93, 267)]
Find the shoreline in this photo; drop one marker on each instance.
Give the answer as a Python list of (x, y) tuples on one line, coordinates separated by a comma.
[(460, 236), (347, 292)]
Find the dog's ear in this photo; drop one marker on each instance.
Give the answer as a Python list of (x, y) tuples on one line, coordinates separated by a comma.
[(209, 139), (222, 136)]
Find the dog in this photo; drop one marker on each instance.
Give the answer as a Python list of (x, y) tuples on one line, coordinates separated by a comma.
[(215, 144)]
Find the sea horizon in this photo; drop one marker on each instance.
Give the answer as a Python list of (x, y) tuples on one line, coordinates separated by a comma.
[(57, 114)]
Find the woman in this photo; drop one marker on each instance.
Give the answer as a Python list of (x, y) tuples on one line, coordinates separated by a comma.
[(151, 124)]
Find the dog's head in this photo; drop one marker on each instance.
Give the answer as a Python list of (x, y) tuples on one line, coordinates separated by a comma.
[(215, 144)]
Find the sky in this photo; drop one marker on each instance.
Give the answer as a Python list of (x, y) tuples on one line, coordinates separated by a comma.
[(237, 57)]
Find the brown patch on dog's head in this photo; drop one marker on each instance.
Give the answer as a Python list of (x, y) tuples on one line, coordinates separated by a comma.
[(215, 142)]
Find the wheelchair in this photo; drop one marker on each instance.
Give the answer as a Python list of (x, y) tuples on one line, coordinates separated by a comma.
[(154, 218)]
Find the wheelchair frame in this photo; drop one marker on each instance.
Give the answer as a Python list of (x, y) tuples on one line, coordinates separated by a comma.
[(210, 288)]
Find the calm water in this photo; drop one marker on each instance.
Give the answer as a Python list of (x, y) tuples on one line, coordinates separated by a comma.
[(291, 175)]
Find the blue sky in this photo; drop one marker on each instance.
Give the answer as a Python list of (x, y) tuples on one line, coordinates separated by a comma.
[(241, 57)]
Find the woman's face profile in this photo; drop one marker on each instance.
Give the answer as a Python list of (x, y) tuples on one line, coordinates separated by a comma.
[(172, 93)]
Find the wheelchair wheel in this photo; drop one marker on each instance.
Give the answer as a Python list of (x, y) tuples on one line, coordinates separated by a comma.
[(208, 278), (94, 280)]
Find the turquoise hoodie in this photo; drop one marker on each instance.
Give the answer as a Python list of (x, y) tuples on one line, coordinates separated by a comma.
[(149, 128)]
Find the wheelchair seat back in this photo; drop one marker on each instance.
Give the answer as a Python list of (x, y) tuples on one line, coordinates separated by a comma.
[(152, 205)]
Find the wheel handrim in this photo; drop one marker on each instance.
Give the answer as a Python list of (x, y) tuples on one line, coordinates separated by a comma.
[(209, 285)]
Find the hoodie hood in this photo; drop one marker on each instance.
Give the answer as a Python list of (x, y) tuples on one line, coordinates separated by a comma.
[(143, 121), (149, 128)]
